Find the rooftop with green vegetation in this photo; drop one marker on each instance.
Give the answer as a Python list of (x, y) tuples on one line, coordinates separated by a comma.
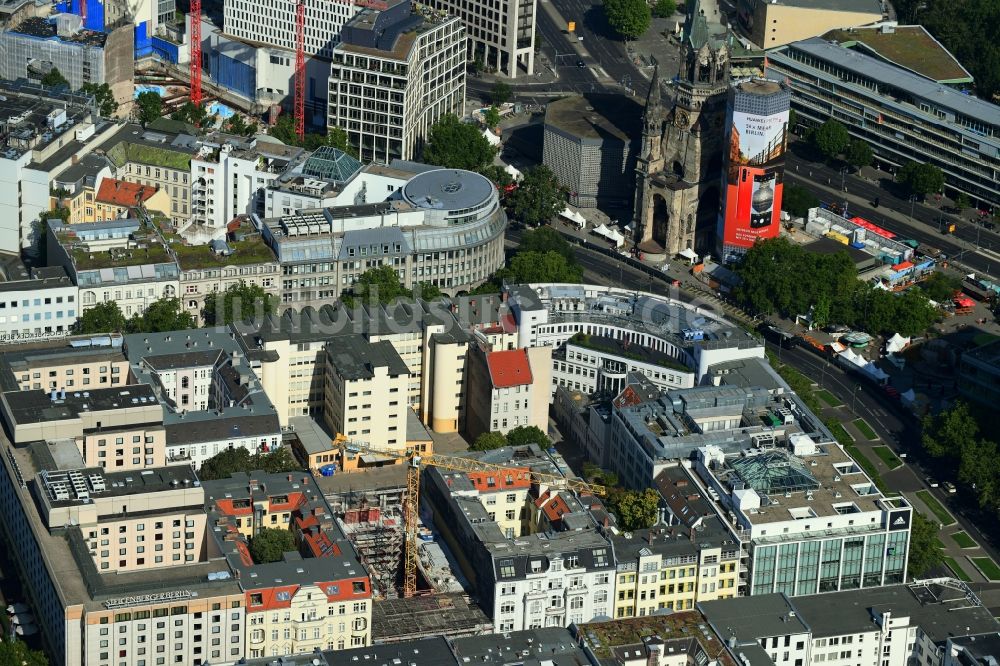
[(252, 250), (602, 637), (86, 260), (142, 153), (909, 46)]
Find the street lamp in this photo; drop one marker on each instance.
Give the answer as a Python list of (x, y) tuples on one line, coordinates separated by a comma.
[(843, 174), (854, 401), (913, 201)]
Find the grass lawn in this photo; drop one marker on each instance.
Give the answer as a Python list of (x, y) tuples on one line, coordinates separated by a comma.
[(987, 567), (984, 339), (829, 398), (865, 429), (939, 543), (936, 507), (963, 540), (956, 569), (887, 456)]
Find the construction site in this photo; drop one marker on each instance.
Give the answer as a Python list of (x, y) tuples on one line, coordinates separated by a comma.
[(374, 523)]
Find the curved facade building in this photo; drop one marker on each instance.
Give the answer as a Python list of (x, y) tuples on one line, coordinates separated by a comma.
[(443, 227)]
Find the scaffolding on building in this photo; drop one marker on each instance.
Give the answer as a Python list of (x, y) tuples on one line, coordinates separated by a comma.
[(373, 523)]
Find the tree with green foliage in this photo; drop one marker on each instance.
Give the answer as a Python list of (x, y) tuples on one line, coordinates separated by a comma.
[(427, 291), (664, 8), (478, 65), (238, 302), (491, 117), (831, 138), (379, 284), (238, 459), (629, 18), (979, 470), (777, 276), (271, 544), (104, 317), (547, 239), (148, 106), (940, 286), (337, 137), (162, 315), (528, 267), (53, 78), (499, 176), (14, 652), (920, 178), (859, 153), (924, 553), (797, 200), (968, 30), (594, 474), (945, 434), (192, 113), (237, 124), (962, 201), (457, 145), (539, 197), (103, 97), (489, 441), (635, 509), (501, 93), (524, 435)]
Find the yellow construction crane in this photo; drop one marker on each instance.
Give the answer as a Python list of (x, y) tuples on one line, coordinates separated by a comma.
[(414, 460)]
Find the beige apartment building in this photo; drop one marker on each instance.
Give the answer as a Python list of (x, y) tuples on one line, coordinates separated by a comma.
[(366, 391), (771, 23), (48, 370)]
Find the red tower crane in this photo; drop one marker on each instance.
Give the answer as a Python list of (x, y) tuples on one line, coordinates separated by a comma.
[(300, 69), (195, 45)]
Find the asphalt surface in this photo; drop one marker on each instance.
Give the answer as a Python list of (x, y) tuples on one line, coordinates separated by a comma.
[(924, 227)]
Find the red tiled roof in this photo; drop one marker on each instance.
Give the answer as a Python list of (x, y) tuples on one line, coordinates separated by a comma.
[(122, 193), (506, 479), (509, 368)]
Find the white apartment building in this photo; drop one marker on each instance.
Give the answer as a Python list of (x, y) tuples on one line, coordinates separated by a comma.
[(36, 304), (392, 78), (506, 389), (229, 176), (366, 391), (597, 364), (501, 33)]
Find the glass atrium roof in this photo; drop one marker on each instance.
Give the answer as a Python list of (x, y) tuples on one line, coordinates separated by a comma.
[(774, 472), (328, 163)]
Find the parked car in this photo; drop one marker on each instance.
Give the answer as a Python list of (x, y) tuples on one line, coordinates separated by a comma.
[(931, 482), (949, 487)]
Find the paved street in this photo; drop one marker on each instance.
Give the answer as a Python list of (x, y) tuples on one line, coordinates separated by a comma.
[(893, 214)]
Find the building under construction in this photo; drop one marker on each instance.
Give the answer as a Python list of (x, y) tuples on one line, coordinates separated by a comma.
[(373, 522)]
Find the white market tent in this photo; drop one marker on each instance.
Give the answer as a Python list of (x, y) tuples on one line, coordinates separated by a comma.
[(574, 217), (514, 173), (491, 137), (689, 254), (612, 235), (896, 343)]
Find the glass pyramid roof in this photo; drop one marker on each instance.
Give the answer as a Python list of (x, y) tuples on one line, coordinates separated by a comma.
[(328, 163)]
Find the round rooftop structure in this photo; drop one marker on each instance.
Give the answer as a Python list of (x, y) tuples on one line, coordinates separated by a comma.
[(450, 190)]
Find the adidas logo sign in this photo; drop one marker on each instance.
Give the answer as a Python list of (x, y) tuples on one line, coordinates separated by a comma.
[(899, 521)]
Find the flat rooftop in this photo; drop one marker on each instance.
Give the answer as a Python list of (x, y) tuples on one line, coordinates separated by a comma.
[(356, 358), (433, 651), (448, 189), (750, 619), (909, 46), (941, 608), (554, 646), (596, 116), (37, 406), (603, 637), (432, 615), (853, 6)]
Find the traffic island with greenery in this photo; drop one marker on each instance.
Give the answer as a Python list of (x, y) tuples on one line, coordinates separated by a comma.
[(957, 440), (886, 455), (936, 507), (963, 539), (829, 398), (987, 567), (777, 276), (865, 429), (629, 18), (956, 568), (238, 459)]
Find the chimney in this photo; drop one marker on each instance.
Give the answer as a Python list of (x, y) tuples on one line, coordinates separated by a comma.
[(649, 538)]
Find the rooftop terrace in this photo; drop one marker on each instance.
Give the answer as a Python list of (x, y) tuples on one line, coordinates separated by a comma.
[(603, 636)]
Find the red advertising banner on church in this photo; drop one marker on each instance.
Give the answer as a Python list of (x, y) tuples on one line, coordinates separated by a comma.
[(754, 175)]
